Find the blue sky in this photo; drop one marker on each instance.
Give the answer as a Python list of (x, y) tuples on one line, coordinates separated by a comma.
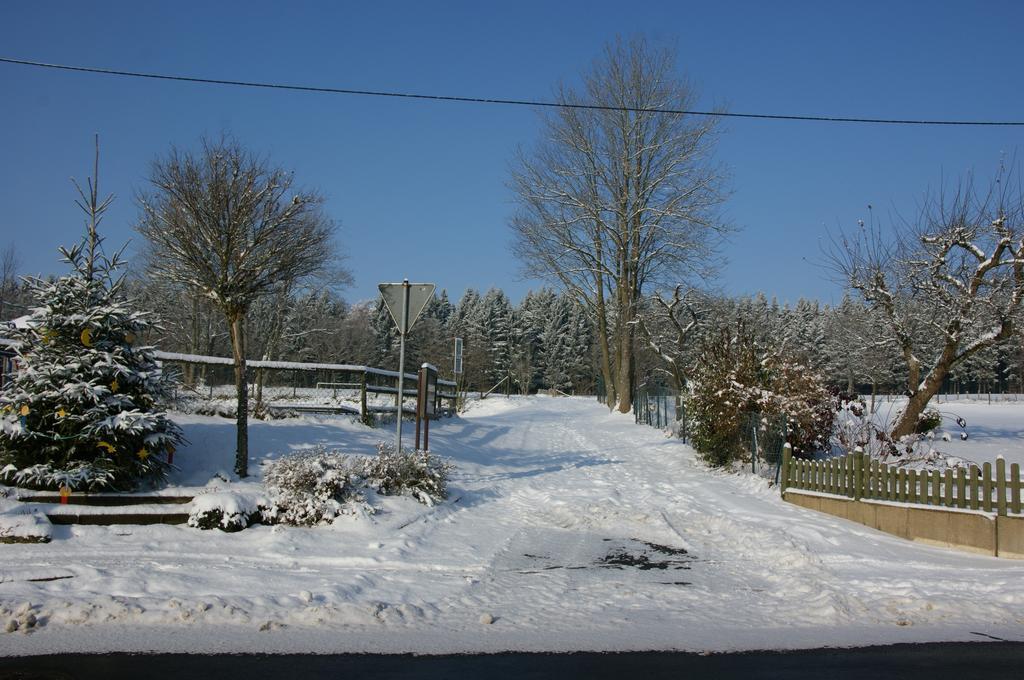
[(419, 188)]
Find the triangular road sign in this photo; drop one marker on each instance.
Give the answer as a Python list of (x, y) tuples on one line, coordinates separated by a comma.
[(393, 293)]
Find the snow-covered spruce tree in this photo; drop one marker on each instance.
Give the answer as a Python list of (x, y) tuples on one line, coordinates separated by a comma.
[(81, 410)]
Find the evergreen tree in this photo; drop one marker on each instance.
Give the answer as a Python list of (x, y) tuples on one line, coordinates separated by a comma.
[(81, 410), (495, 324), (556, 345), (578, 365), (385, 335), (527, 323), (466, 323)]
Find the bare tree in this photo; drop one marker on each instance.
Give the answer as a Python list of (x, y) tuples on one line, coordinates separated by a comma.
[(667, 327), (616, 198), (228, 225), (9, 263), (947, 285)]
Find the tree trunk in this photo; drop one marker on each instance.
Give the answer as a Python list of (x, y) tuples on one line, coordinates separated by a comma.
[(918, 402), (602, 343), (237, 323), (624, 365), (259, 392)]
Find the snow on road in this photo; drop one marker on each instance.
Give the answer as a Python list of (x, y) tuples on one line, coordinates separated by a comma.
[(568, 528)]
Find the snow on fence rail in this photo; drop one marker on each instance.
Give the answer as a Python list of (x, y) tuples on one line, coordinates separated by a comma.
[(858, 477), (365, 379), (285, 365)]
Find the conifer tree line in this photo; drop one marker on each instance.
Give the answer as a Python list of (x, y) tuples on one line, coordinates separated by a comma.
[(546, 341)]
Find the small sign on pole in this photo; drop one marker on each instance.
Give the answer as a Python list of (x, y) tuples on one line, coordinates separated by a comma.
[(426, 403), (458, 356), (404, 301)]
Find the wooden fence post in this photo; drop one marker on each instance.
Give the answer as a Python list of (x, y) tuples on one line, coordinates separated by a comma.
[(975, 486), (986, 487), (787, 462), (1015, 488), (362, 399), (858, 473), (1001, 486)]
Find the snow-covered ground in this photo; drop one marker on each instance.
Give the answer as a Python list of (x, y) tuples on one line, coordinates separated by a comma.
[(993, 429), (560, 518)]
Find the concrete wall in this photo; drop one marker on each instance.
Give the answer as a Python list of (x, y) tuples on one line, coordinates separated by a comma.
[(970, 530), (1011, 537)]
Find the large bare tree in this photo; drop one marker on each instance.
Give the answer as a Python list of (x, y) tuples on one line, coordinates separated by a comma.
[(230, 226), (617, 198), (946, 285)]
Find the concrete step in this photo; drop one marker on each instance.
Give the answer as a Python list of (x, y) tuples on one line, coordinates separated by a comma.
[(109, 515), (104, 499)]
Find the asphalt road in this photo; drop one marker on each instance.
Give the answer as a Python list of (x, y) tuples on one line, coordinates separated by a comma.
[(959, 661)]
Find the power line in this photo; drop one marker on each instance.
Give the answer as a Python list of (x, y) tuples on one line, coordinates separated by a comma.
[(512, 102)]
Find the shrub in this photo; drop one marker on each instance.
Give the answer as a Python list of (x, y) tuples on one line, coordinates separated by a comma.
[(809, 405), (928, 421), (20, 523), (317, 486), (733, 378), (718, 397), (419, 474), (230, 511), (314, 487)]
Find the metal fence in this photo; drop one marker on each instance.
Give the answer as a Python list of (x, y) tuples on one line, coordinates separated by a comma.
[(760, 437), (763, 438), (660, 407)]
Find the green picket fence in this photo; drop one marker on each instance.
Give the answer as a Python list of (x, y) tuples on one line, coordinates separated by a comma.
[(859, 477)]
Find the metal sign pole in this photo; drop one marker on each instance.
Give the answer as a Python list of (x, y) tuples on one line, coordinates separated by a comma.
[(405, 308), (403, 327)]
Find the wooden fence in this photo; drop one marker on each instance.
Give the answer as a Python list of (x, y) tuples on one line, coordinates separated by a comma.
[(365, 379), (857, 476)]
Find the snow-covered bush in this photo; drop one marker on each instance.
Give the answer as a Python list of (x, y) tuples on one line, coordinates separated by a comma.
[(801, 395), (732, 379), (20, 523), (928, 420), (419, 474), (315, 487), (81, 408), (853, 426), (231, 511), (220, 408)]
